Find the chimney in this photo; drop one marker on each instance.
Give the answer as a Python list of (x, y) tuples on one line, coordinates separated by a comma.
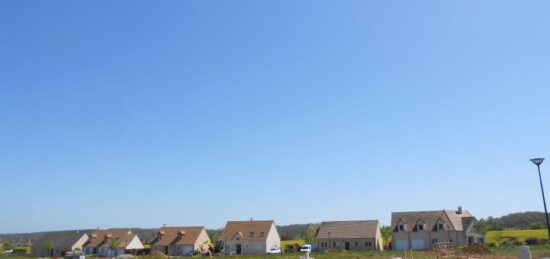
[(459, 211), (181, 234)]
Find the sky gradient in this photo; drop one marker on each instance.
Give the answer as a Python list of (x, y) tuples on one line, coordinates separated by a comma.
[(141, 113)]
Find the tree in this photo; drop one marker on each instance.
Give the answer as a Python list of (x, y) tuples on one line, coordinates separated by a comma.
[(311, 236), (386, 234), (481, 226), (48, 246), (113, 245), (9, 245), (214, 238)]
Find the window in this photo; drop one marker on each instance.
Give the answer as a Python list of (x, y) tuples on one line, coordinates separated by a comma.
[(401, 227), (333, 244), (440, 226), (368, 244), (251, 234), (434, 241), (261, 234), (356, 244), (420, 226)]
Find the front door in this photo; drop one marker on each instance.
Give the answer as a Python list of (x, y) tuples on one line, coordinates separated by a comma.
[(238, 248), (347, 245)]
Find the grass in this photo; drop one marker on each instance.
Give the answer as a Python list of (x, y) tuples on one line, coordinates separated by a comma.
[(492, 236), (507, 252)]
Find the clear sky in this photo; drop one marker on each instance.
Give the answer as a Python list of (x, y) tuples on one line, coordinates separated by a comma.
[(143, 113)]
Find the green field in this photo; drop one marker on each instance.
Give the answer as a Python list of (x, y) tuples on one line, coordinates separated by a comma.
[(492, 236)]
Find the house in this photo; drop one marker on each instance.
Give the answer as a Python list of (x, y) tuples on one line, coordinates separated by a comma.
[(350, 235), (250, 237), (425, 229), (112, 242), (59, 243), (178, 241)]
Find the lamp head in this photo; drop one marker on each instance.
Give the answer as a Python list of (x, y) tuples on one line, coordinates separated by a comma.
[(537, 161)]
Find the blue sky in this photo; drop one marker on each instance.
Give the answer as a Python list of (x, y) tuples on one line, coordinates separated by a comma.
[(140, 113)]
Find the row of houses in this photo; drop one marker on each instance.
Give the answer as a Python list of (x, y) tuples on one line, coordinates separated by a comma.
[(410, 230)]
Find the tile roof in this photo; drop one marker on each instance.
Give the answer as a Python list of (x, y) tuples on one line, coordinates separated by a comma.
[(452, 220), (259, 228), (177, 236), (349, 229), (59, 239), (101, 238)]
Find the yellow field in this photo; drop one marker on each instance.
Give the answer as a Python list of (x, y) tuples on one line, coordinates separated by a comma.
[(520, 234), (285, 243)]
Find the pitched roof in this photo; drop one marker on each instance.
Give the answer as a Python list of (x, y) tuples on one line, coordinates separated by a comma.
[(452, 220), (349, 229), (466, 221), (59, 239), (249, 230), (177, 236), (101, 238)]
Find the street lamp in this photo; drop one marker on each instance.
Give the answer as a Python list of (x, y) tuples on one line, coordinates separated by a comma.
[(329, 241), (538, 161)]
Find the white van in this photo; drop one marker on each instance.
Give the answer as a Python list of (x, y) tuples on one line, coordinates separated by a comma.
[(306, 248)]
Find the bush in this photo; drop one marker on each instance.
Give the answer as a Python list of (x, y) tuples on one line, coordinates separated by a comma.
[(532, 241), (492, 244), (21, 250)]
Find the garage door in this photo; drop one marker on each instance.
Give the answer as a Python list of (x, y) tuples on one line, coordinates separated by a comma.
[(417, 244), (401, 245)]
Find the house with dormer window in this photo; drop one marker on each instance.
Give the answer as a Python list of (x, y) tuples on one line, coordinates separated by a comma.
[(250, 237), (180, 241), (103, 243), (424, 229)]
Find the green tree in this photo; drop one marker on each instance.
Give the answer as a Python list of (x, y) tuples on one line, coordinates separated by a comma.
[(48, 246), (9, 245), (311, 236), (386, 234), (214, 238), (113, 245), (481, 226)]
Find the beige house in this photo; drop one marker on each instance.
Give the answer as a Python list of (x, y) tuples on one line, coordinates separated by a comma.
[(100, 242), (59, 243), (250, 237), (179, 241), (424, 229), (350, 235)]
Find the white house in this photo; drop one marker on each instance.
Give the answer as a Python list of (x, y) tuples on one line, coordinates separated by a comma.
[(250, 237), (101, 242)]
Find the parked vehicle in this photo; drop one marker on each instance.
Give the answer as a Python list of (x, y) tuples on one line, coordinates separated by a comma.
[(274, 250), (306, 248)]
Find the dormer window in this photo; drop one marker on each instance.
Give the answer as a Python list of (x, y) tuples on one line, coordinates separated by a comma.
[(440, 226), (401, 227), (420, 227), (261, 234), (251, 234)]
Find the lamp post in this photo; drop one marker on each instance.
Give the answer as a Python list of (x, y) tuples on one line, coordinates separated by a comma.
[(538, 161), (329, 241)]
